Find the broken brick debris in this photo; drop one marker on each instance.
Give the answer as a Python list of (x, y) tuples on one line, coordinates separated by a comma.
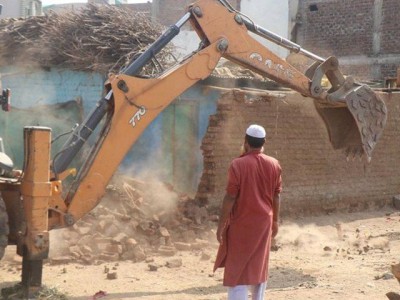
[(130, 223)]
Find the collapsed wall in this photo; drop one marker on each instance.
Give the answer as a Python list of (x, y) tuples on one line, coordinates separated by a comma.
[(317, 179)]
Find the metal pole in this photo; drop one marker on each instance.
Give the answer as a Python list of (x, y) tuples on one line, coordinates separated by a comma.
[(161, 42), (277, 39), (82, 133)]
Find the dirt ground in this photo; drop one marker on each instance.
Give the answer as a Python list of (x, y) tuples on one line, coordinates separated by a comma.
[(339, 256)]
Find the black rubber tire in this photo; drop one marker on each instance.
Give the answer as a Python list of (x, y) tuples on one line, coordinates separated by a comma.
[(4, 229)]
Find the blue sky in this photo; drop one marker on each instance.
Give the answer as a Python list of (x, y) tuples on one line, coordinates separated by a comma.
[(48, 2)]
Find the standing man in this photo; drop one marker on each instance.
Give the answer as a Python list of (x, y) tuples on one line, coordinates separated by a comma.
[(249, 218)]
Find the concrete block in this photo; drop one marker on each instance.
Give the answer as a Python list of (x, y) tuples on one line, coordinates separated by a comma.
[(174, 263), (183, 246)]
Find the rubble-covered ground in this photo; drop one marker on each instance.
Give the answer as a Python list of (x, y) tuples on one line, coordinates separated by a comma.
[(134, 220), (146, 241)]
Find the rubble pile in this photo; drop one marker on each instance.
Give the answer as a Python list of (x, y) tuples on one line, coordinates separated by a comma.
[(134, 221), (96, 38)]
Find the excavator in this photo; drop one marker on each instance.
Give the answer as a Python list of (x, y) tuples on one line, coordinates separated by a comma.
[(37, 200)]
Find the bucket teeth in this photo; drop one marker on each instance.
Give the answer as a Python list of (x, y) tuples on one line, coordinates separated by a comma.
[(369, 114), (358, 126)]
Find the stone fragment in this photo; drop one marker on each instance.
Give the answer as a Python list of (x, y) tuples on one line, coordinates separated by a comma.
[(111, 230), (174, 263), (130, 254), (189, 236), (166, 251), (86, 249), (83, 230), (112, 275), (120, 238), (149, 260), (201, 215), (153, 267), (200, 244), (183, 246), (139, 254), (131, 242), (87, 259), (101, 225), (162, 241), (86, 240), (59, 260), (114, 248), (76, 255), (387, 276), (71, 236), (66, 235), (205, 256), (75, 251), (164, 232), (109, 256), (393, 296), (102, 246)]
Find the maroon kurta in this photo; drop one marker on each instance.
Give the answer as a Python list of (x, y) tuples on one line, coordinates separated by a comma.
[(253, 179)]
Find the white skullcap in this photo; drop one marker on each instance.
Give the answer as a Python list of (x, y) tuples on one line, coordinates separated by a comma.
[(256, 131)]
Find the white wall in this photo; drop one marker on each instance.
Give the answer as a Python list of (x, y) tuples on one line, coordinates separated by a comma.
[(186, 42), (272, 15), (20, 8), (269, 14), (11, 8)]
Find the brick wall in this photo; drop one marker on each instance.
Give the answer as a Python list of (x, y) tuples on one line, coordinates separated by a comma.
[(336, 27), (316, 177), (364, 31), (390, 42)]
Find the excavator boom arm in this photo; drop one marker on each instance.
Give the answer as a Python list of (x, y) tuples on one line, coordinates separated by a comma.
[(132, 103), (353, 114)]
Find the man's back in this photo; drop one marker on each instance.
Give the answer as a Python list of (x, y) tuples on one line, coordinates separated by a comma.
[(254, 178), (249, 217)]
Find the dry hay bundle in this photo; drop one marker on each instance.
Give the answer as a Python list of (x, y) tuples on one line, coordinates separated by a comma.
[(95, 38)]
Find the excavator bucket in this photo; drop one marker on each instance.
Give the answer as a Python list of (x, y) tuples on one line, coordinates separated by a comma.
[(353, 113), (357, 127)]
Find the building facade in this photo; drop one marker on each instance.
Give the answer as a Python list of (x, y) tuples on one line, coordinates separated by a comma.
[(21, 8), (362, 34)]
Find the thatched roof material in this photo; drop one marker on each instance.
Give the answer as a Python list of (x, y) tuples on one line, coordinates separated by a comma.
[(95, 38)]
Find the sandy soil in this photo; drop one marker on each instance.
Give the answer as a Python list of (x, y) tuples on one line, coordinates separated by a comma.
[(316, 259)]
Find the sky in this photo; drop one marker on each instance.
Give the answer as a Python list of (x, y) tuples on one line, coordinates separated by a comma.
[(48, 2)]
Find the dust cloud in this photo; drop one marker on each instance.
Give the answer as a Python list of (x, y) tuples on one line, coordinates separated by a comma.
[(160, 196), (306, 238), (325, 240), (137, 216)]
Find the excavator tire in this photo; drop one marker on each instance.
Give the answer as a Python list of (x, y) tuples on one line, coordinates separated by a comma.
[(4, 229)]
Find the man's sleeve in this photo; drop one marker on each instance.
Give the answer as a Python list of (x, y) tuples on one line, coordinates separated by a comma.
[(278, 187), (233, 185)]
